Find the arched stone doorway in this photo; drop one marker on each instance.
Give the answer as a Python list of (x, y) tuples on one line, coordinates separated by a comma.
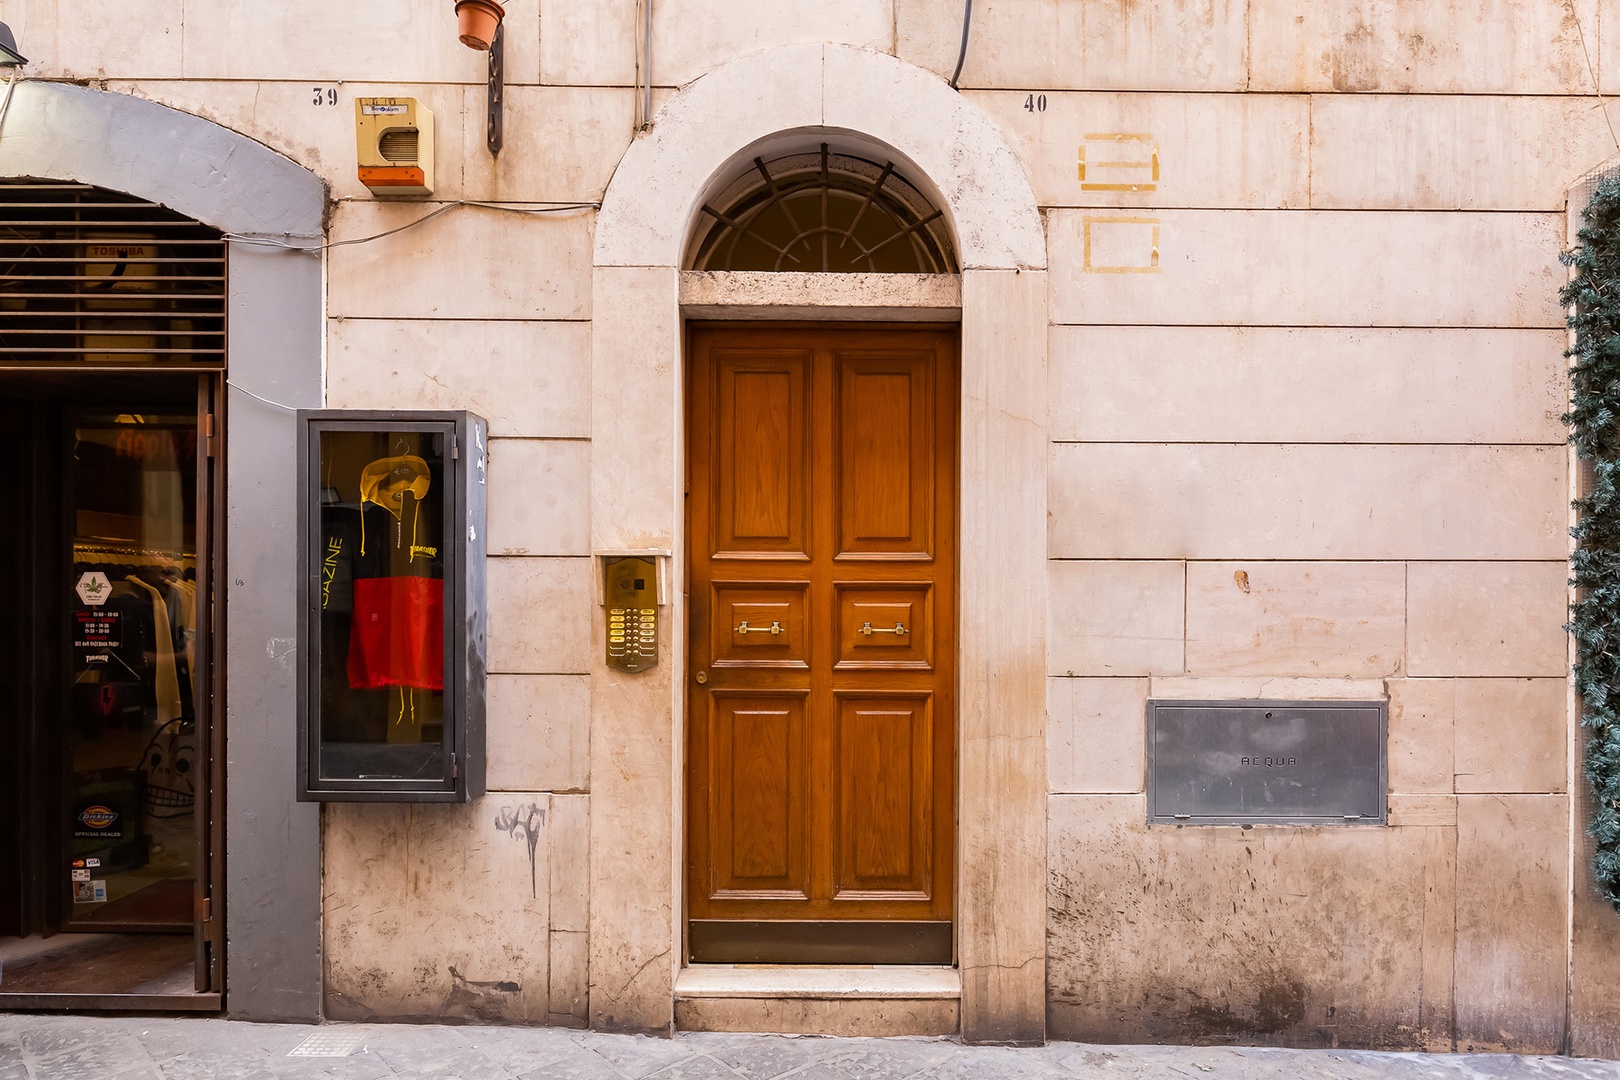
[(763, 106)]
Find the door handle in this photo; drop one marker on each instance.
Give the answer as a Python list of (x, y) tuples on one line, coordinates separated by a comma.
[(868, 629), (744, 628)]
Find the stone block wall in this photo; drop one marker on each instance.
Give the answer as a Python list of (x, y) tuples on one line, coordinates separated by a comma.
[(1305, 394)]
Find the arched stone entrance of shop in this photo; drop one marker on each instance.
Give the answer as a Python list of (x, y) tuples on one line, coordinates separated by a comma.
[(271, 210), (854, 98)]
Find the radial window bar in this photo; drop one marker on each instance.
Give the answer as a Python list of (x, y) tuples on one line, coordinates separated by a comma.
[(823, 213), (96, 278)]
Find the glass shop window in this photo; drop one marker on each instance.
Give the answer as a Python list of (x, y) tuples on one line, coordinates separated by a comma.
[(133, 740), (393, 634)]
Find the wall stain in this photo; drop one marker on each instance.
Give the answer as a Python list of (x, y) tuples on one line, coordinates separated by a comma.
[(1277, 1007), (473, 999), (1246, 975), (1355, 63)]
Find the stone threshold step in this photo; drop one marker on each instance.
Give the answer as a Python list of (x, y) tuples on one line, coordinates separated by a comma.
[(899, 982)]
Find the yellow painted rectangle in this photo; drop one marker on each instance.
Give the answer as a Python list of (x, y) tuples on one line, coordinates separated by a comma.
[(1115, 244), (1119, 161)]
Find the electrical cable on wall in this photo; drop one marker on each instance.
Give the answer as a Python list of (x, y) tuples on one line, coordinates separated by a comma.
[(5, 106), (259, 397), (310, 249), (642, 48), (961, 57), (1597, 87), (646, 65)]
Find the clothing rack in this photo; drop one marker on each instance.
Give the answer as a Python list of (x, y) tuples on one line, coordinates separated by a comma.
[(129, 555)]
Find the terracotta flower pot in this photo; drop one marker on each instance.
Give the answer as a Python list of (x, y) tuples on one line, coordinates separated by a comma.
[(476, 21)]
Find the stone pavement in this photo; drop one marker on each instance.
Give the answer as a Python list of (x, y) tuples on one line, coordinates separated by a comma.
[(49, 1047)]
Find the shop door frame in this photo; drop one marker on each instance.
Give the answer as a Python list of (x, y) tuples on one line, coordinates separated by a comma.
[(47, 442)]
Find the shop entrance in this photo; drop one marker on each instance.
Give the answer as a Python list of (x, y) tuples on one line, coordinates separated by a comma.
[(111, 358), (106, 673), (821, 711)]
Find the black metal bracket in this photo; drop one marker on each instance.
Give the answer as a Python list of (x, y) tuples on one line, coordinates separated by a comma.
[(495, 132)]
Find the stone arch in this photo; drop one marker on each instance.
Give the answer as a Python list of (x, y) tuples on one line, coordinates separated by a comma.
[(803, 93), (778, 100), (60, 131), (224, 179)]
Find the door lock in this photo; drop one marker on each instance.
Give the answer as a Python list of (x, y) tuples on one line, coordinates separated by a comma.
[(702, 677)]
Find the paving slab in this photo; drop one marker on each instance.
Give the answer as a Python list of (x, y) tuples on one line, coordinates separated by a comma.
[(55, 1047)]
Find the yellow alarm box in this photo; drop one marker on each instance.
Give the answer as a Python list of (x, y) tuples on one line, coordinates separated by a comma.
[(394, 144)]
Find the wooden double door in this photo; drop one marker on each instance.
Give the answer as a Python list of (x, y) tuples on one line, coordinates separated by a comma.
[(821, 716)]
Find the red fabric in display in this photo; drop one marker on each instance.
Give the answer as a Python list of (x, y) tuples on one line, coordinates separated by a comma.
[(398, 635)]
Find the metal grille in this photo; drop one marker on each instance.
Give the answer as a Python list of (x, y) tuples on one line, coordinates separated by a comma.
[(98, 278), (824, 213), (339, 1042), (399, 145), (1580, 195)]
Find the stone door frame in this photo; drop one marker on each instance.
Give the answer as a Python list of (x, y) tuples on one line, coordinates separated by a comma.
[(764, 104)]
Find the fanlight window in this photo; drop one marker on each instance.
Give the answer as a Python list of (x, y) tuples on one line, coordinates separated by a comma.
[(823, 213)]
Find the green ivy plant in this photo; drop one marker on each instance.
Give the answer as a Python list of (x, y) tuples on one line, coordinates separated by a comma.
[(1593, 299)]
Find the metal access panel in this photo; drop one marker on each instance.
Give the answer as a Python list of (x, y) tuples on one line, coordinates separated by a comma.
[(1267, 762)]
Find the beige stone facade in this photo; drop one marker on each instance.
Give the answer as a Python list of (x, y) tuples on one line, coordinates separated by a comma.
[(1279, 422)]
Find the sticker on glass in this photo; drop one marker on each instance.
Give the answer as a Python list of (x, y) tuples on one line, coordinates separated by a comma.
[(93, 588)]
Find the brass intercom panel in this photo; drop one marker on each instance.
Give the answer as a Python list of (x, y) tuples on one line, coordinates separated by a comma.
[(630, 599)]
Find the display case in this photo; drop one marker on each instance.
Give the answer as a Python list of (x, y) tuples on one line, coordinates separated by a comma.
[(391, 580)]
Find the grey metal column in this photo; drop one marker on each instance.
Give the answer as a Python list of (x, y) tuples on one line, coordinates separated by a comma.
[(272, 842)]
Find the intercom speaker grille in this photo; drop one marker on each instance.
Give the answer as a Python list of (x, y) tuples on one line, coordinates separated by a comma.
[(400, 144), (94, 277)]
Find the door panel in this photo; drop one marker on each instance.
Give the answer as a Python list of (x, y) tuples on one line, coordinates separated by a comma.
[(885, 440), (821, 712), (884, 626), (762, 449), (758, 772), (759, 624), (884, 779)]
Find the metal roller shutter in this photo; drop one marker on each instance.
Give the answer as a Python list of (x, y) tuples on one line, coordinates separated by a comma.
[(100, 279)]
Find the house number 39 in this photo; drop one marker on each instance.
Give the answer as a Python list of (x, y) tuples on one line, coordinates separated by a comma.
[(324, 95)]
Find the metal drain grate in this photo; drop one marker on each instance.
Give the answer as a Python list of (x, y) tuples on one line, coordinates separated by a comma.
[(329, 1044)]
